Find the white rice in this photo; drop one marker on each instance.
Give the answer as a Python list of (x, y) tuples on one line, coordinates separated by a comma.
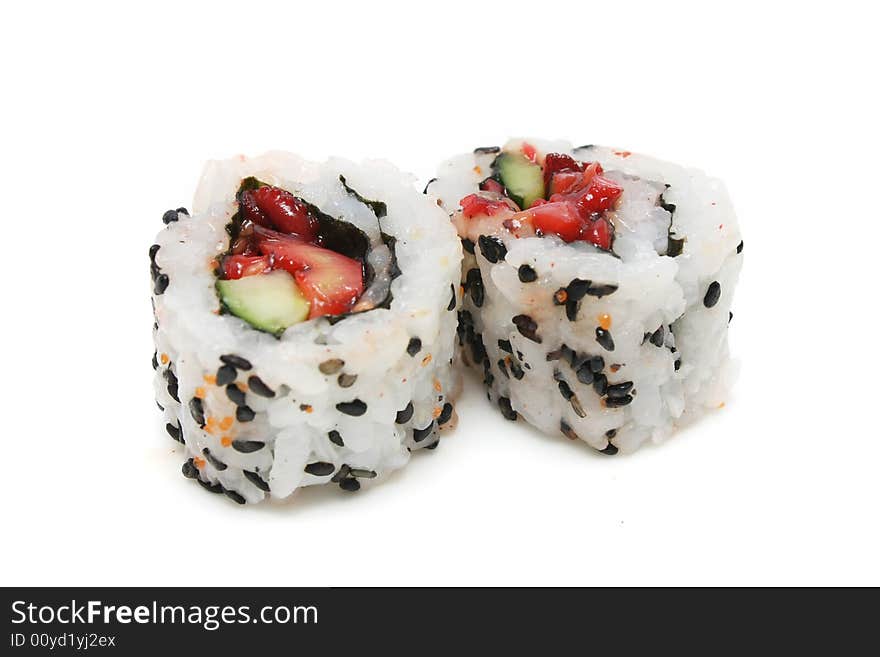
[(672, 384), (294, 426)]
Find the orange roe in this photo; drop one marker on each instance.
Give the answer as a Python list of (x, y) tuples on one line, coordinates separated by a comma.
[(605, 321)]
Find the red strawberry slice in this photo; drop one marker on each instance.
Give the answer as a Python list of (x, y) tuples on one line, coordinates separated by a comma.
[(599, 233), (560, 218), (474, 205), (330, 281), (239, 266), (492, 185), (558, 163), (601, 195), (249, 209), (273, 207)]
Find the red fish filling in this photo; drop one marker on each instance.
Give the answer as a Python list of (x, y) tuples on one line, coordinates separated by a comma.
[(280, 231), (572, 203)]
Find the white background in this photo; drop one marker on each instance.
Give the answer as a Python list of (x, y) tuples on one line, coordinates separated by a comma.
[(108, 113)]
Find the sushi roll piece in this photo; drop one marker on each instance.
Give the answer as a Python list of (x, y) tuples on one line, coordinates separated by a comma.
[(305, 319), (598, 285)]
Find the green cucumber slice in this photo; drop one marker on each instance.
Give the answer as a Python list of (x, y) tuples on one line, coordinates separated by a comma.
[(523, 178), (268, 302)]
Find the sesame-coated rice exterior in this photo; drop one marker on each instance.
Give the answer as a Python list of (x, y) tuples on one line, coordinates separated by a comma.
[(614, 347), (339, 400)]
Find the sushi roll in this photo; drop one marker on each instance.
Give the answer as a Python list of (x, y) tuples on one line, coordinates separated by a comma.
[(598, 286), (305, 319)]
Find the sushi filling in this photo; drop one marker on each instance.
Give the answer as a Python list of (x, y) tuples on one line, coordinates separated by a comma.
[(529, 195), (288, 262)]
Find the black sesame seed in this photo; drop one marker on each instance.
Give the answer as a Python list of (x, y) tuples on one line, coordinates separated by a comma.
[(428, 184), (161, 408), (257, 387), (492, 248), (729, 317), (235, 497), (445, 414), (506, 409), (183, 211), (170, 216), (585, 374), (414, 346), (161, 285), (189, 470), (405, 415), (565, 390), (568, 354), (505, 345), (247, 446), (354, 407), (341, 474), (244, 414), (236, 396), (363, 473), (468, 245), (350, 485), (503, 368), (658, 336), (153, 251), (610, 433), (256, 480), (433, 445), (155, 361), (197, 410), (320, 468), (677, 364), (335, 437), (600, 384), (712, 294), (172, 385), (474, 285), (601, 290), (173, 431), (567, 431), (211, 488), (526, 274), (604, 338), (739, 247), (577, 406), (577, 289), (420, 434), (346, 380), (618, 390), (226, 374), (527, 327), (237, 362), (571, 309), (674, 247), (331, 366), (516, 370), (452, 301), (610, 450), (614, 402), (213, 460), (487, 150)]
